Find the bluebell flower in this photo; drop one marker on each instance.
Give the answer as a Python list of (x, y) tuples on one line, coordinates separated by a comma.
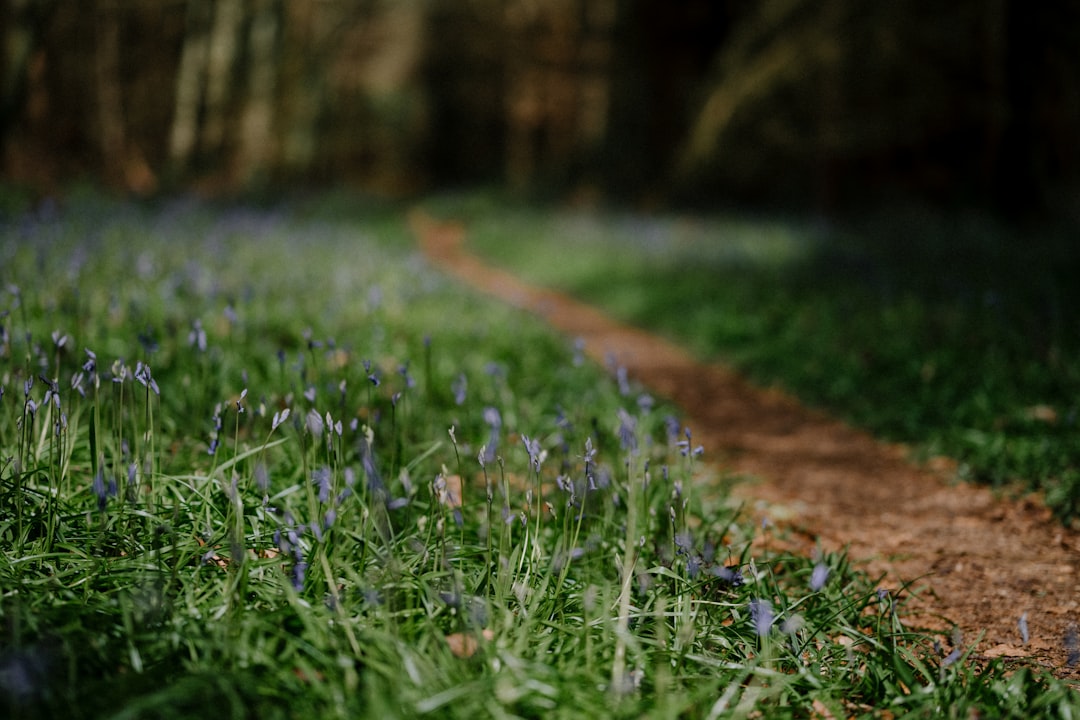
[(819, 576), (761, 614), (315, 424), (367, 454), (321, 478), (299, 573), (684, 541), (262, 477), (579, 352), (279, 417), (536, 453), (590, 453), (52, 393), (627, 431), (90, 366), (197, 336), (460, 387), (494, 422), (730, 576), (143, 375), (100, 490), (76, 383)]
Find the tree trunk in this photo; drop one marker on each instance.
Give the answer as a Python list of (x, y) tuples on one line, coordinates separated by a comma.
[(189, 88), (221, 61), (256, 143), (109, 93)]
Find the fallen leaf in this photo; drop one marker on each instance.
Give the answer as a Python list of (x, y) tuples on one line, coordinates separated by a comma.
[(820, 711), (464, 645), (1042, 413), (461, 645)]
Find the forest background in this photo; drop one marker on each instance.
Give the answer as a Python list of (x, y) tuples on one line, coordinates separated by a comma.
[(820, 105)]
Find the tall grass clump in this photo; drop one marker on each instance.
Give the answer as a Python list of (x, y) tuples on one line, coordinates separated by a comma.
[(265, 463)]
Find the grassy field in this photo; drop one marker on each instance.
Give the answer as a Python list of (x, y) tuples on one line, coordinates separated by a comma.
[(953, 334), (263, 462)]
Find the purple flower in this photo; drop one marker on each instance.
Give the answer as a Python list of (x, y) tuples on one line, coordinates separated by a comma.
[(279, 417), (819, 576), (627, 431), (52, 394), (460, 387), (77, 383), (645, 402), (142, 374), (262, 477), (494, 421), (315, 424), (100, 490), (403, 370), (684, 541), (90, 366), (197, 336), (367, 458), (299, 572), (761, 614), (321, 479), (536, 453), (579, 351), (730, 576)]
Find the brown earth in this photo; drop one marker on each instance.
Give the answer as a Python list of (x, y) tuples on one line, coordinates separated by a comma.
[(964, 556)]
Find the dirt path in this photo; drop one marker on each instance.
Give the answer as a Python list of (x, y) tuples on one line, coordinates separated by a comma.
[(977, 561)]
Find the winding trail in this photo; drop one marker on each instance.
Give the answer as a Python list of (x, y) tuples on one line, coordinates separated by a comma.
[(975, 561)]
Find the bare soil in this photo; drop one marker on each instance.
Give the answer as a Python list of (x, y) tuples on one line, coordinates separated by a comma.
[(962, 556)]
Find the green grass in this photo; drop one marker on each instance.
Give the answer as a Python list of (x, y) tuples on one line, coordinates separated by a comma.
[(246, 503), (953, 334)]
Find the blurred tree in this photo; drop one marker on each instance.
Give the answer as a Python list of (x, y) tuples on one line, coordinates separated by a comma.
[(824, 101), (844, 99)]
